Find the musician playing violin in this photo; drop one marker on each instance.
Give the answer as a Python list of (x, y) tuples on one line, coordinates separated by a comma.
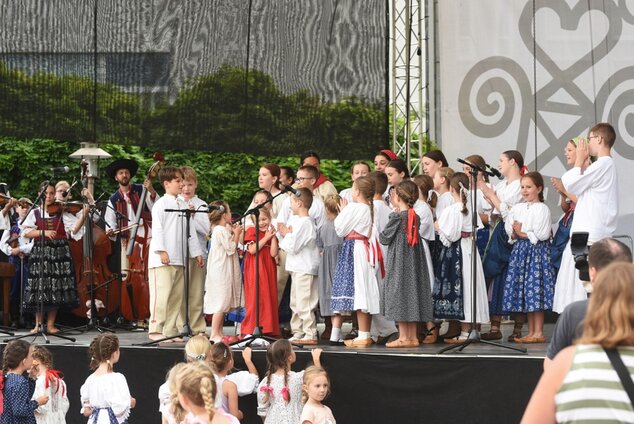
[(74, 221), (56, 286), (9, 203)]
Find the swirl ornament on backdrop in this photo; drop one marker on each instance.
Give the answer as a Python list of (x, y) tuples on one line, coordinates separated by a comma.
[(497, 90)]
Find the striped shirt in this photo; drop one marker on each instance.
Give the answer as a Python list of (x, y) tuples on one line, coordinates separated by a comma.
[(592, 391)]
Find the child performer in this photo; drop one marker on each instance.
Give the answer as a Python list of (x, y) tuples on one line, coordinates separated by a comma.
[(484, 207), (166, 263), (280, 392), (50, 383), (406, 296), (597, 209), (330, 245), (496, 258), (223, 285), (267, 296), (18, 249), (359, 169), (58, 283), (454, 282), (530, 280), (441, 186), (315, 389), (199, 228), (105, 396), (424, 209), (355, 286), (302, 262), (396, 172), (19, 407), (382, 329), (194, 390)]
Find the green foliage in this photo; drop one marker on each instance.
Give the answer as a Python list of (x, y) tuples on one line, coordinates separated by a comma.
[(228, 176)]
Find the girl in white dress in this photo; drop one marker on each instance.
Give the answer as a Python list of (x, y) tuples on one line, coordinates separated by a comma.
[(50, 383), (355, 285), (223, 284), (105, 396), (280, 391), (453, 291)]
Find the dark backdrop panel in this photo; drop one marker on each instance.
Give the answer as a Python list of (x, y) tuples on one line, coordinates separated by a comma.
[(366, 388), (265, 76)]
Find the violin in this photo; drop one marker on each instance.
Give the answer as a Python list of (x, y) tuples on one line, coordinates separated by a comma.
[(57, 207), (4, 199)]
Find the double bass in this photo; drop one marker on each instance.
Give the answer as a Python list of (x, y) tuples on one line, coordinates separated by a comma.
[(135, 296), (90, 260)]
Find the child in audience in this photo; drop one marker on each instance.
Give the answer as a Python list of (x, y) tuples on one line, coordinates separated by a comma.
[(280, 392), (50, 383), (315, 389)]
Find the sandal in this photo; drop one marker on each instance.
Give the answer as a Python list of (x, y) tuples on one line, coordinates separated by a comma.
[(514, 338), (403, 343), (492, 335), (531, 339), (431, 336), (462, 337)]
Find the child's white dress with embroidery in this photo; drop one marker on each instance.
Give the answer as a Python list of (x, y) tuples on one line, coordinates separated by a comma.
[(54, 411), (276, 410), (103, 392)]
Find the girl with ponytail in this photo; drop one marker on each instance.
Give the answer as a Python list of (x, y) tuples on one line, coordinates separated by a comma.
[(503, 197), (454, 282), (406, 289)]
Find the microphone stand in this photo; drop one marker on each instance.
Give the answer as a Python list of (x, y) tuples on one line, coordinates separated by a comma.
[(40, 282), (186, 331), (474, 333), (257, 329)]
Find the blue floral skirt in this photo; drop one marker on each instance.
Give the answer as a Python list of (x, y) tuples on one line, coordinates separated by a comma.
[(529, 285), (448, 291), (343, 281)]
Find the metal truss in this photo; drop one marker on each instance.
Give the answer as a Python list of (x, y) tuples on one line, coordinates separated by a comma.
[(409, 79)]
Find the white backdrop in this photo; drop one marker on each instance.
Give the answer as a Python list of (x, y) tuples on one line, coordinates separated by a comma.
[(502, 89)]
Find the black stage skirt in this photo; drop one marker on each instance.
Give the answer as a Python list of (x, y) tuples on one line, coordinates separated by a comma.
[(55, 285)]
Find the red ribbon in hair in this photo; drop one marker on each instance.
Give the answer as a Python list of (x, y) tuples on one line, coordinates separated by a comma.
[(523, 170), (412, 230), (54, 375)]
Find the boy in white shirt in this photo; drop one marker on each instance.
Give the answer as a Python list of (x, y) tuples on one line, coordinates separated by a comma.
[(302, 262), (166, 263)]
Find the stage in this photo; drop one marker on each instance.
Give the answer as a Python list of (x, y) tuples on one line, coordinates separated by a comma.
[(483, 384)]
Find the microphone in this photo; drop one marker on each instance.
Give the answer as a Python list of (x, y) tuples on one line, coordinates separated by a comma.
[(60, 169), (210, 208), (288, 188), (496, 172)]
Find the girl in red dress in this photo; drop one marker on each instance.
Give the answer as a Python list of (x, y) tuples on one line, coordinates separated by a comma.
[(269, 321)]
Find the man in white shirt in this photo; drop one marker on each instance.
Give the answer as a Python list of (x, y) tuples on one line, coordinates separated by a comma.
[(596, 212)]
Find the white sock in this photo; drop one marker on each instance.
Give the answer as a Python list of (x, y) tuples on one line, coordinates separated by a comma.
[(335, 334), (364, 335)]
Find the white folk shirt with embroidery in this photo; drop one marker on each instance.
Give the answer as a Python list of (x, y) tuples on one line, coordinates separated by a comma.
[(168, 233), (597, 194)]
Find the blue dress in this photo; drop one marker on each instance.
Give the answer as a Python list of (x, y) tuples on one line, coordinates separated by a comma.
[(530, 280), (448, 290), (18, 406)]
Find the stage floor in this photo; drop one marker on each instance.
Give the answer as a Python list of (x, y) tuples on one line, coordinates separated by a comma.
[(137, 337), (481, 384)]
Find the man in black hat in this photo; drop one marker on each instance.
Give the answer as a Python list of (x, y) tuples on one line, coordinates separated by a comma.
[(125, 201)]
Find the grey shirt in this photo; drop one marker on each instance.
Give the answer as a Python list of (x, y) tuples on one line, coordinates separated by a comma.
[(569, 327)]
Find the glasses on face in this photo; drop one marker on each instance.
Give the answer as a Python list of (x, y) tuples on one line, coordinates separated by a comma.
[(300, 179)]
